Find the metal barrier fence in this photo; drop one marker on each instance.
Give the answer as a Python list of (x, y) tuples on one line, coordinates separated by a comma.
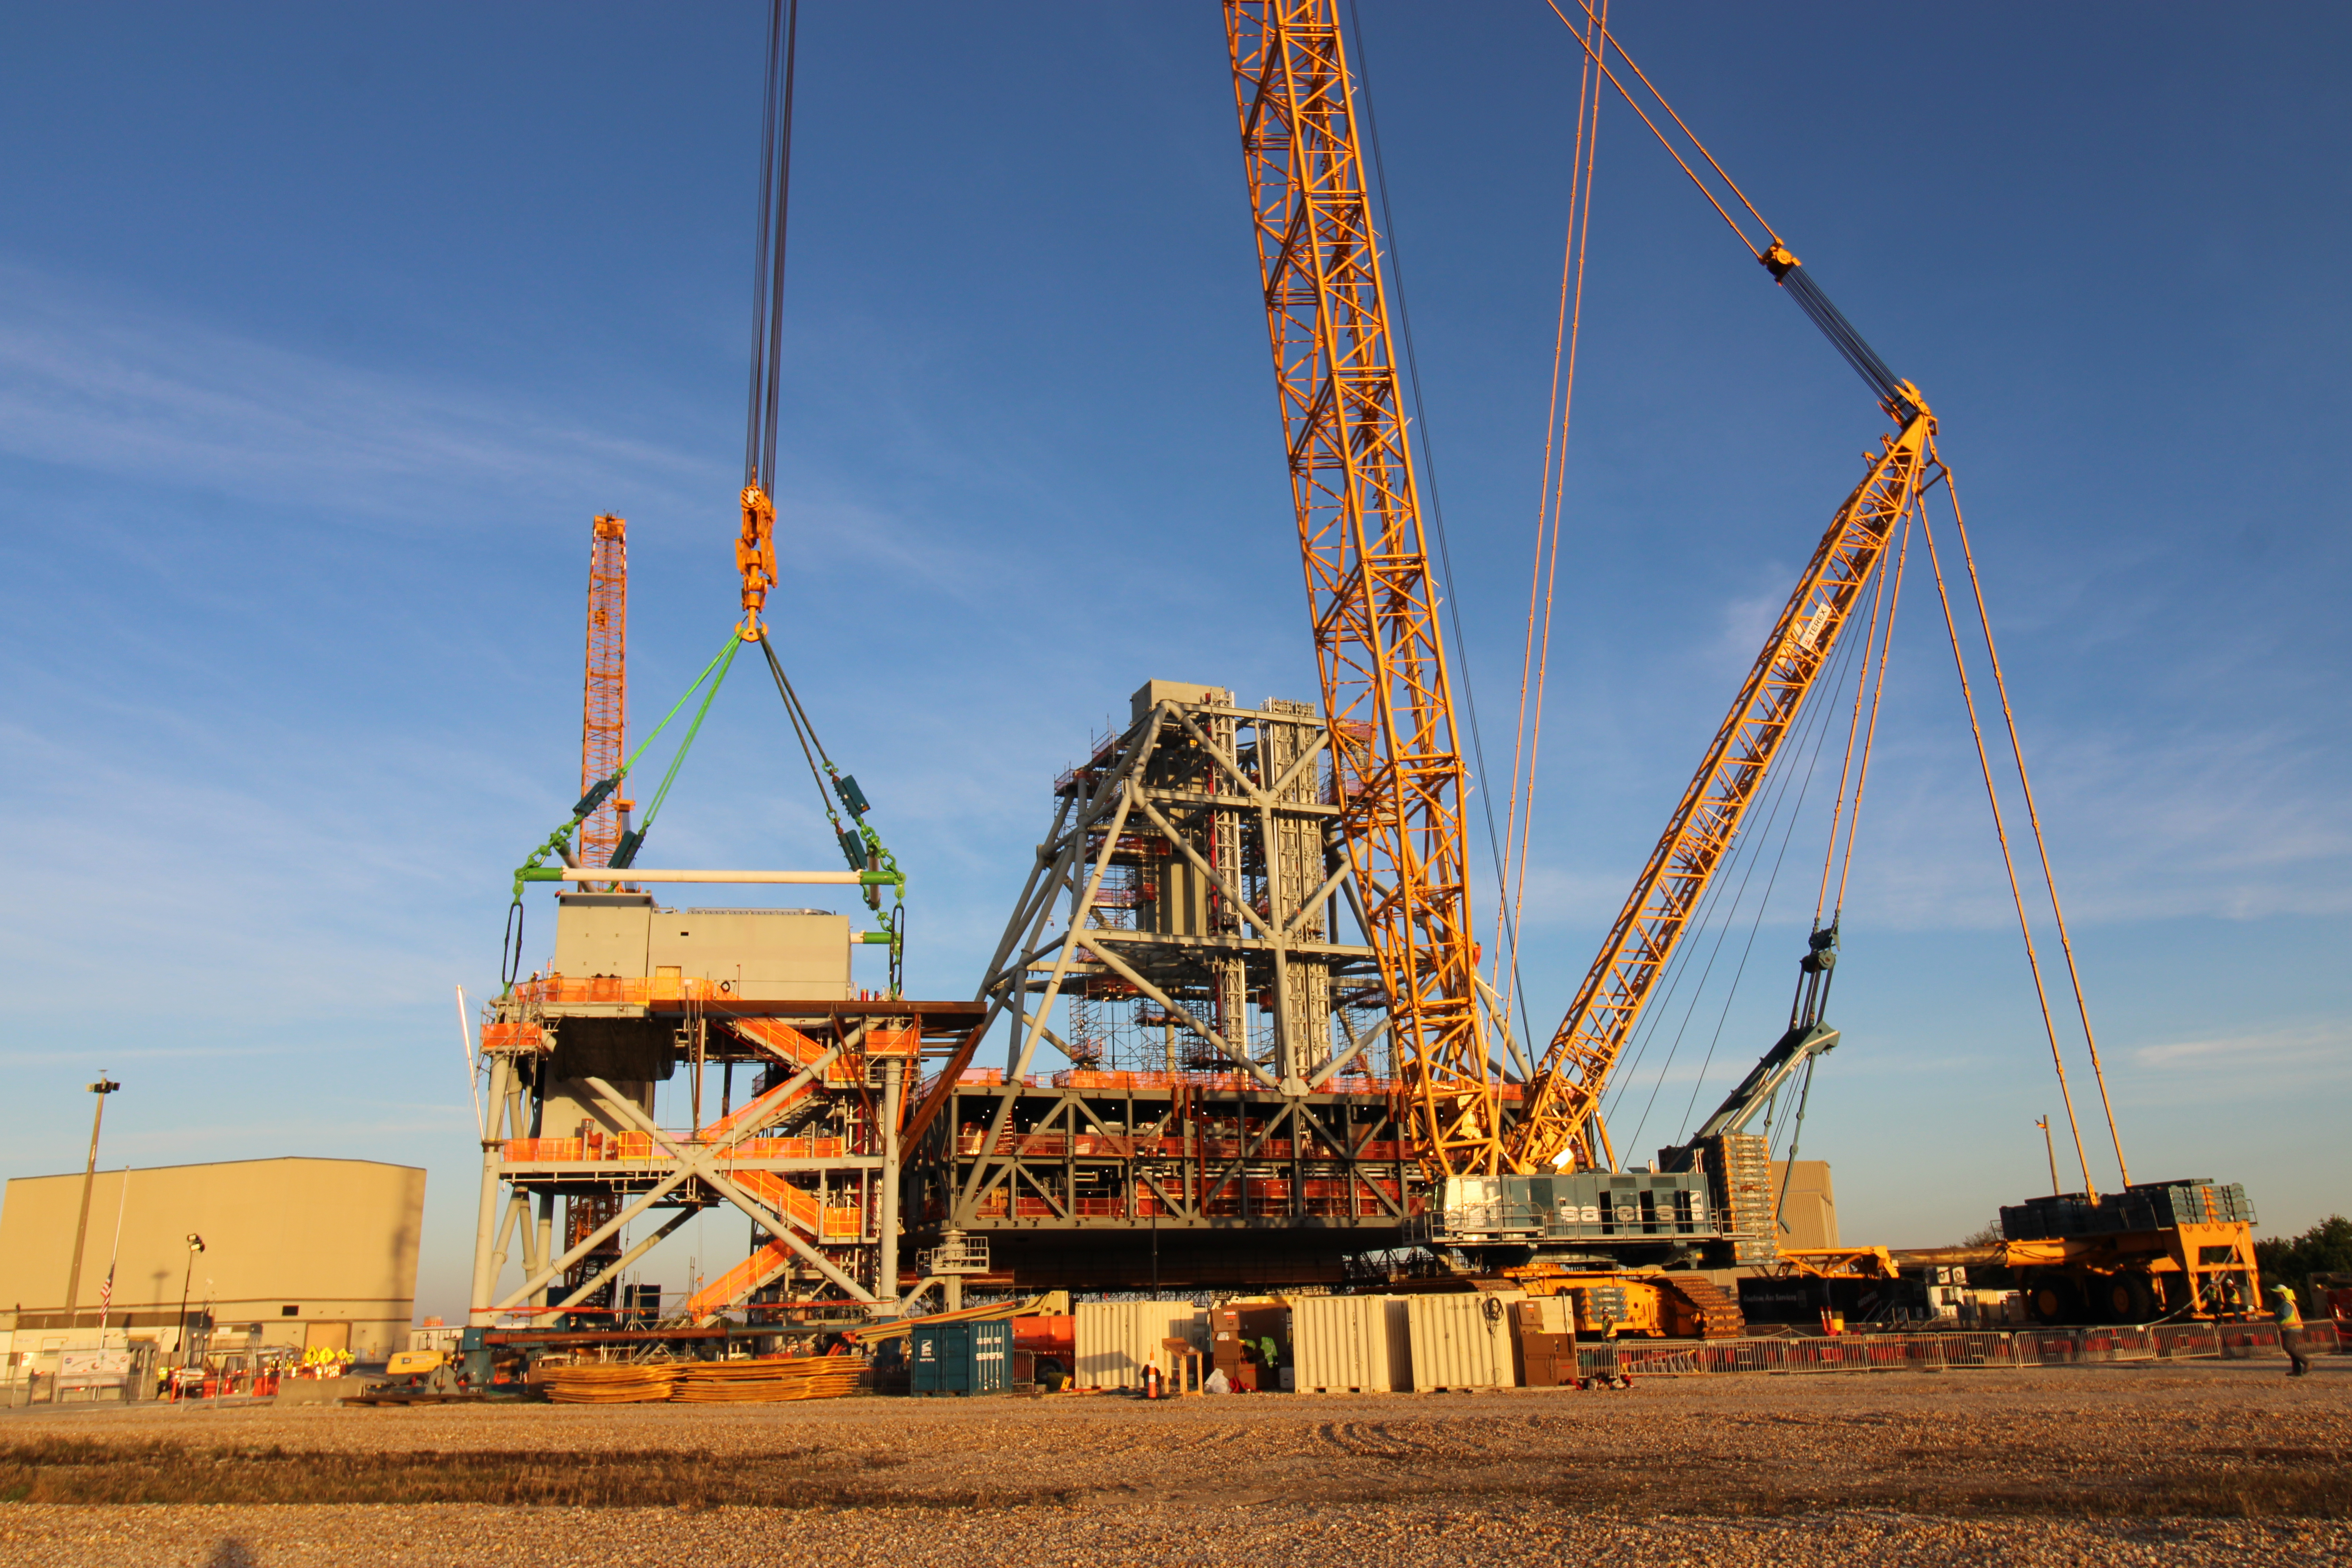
[(1925, 1352)]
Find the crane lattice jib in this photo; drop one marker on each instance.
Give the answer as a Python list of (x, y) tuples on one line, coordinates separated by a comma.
[(1565, 1089), (604, 702), (1372, 595)]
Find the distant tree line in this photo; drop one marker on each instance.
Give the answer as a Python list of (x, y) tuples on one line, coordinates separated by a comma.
[(2291, 1261)]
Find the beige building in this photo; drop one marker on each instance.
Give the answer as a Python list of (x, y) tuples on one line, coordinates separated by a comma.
[(295, 1252), (1808, 1214)]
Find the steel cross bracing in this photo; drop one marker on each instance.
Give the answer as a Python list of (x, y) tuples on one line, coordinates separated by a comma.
[(1372, 595), (810, 1157), (1564, 1092), (1193, 872)]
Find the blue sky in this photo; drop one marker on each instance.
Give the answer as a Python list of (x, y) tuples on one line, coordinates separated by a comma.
[(324, 333)]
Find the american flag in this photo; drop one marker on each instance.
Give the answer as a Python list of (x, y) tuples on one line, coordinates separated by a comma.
[(106, 1292)]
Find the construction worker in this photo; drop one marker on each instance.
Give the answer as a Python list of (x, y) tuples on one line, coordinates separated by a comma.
[(2290, 1324)]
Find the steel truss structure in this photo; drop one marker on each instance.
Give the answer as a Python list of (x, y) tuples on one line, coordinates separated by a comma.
[(809, 1154), (605, 694), (1372, 597), (1231, 1074)]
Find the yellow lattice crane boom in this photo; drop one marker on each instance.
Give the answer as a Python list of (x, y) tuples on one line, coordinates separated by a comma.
[(1372, 594), (1559, 1124)]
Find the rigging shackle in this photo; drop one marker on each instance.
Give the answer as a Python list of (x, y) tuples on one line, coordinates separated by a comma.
[(755, 558)]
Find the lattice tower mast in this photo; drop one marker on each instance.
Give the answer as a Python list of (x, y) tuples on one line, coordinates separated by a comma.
[(604, 702), (1371, 595)]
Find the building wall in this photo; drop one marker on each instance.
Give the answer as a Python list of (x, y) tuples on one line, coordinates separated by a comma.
[(297, 1251), (1809, 1217), (761, 955)]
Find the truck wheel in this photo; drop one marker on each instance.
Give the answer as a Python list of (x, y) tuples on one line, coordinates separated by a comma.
[(2129, 1299), (2052, 1299), (2121, 1299)]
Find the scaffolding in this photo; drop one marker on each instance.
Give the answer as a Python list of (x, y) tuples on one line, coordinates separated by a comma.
[(1196, 867)]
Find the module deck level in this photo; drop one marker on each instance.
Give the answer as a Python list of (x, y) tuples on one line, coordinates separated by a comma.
[(1225, 1181)]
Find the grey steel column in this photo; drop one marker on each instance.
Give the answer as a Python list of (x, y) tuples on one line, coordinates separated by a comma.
[(485, 1224), (887, 1286)]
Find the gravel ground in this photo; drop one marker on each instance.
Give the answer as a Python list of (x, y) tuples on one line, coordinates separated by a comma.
[(2207, 1461)]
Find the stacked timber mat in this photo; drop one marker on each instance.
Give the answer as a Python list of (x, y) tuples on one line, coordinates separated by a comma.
[(611, 1384), (768, 1382)]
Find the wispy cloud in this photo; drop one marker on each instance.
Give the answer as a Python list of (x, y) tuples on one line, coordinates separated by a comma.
[(109, 384), (2319, 1048)]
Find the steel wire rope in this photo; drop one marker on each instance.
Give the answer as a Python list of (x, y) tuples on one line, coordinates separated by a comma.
[(1789, 1160), (1786, 269), (1436, 504), (1609, 39), (798, 716), (1535, 660), (768, 247), (2034, 818), (1744, 856), (686, 742), (1678, 966), (2009, 864), (1600, 58), (1854, 726), (1870, 733), (725, 657), (1731, 992)]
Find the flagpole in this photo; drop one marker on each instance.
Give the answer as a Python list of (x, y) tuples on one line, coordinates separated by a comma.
[(106, 1291)]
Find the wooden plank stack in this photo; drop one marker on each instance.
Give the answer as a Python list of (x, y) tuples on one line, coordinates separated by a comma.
[(768, 1382), (611, 1384)]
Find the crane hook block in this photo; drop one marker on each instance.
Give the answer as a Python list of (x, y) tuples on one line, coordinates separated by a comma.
[(594, 797), (755, 557), (845, 786), (1780, 260)]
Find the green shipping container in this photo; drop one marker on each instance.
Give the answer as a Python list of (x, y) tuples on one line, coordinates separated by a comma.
[(961, 1358)]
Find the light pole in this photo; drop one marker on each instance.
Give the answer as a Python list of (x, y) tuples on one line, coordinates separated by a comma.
[(102, 1087), (196, 1245)]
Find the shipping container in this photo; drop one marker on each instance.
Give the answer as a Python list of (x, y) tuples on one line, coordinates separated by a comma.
[(1344, 1344), (1460, 1342), (1115, 1340), (1548, 1361), (961, 1358)]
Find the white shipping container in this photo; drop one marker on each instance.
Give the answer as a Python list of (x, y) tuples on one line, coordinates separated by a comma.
[(1116, 1338), (1344, 1343), (1460, 1342)]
